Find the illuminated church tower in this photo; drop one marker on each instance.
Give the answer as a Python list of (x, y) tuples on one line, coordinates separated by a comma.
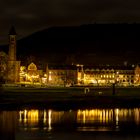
[(13, 64), (12, 44)]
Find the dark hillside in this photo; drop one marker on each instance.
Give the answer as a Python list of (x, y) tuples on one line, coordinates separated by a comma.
[(96, 43)]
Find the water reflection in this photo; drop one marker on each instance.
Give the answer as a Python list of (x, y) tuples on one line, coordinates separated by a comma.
[(82, 120), (15, 124), (31, 119), (8, 121)]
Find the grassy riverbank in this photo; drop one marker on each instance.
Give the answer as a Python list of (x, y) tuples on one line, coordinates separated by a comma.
[(72, 97)]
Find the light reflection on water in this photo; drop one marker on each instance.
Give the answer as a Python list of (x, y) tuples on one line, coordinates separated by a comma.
[(34, 120), (94, 119), (107, 119)]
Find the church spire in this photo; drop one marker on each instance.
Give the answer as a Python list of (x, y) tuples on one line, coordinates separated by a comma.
[(12, 31), (12, 44)]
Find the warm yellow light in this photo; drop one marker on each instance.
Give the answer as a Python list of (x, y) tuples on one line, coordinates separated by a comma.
[(86, 116), (20, 116), (25, 116), (45, 117), (33, 116), (49, 120), (50, 77), (117, 116)]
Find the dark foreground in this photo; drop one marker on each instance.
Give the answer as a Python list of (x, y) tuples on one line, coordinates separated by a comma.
[(69, 98), (78, 136)]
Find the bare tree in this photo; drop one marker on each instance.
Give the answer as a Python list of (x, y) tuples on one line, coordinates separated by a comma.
[(3, 66)]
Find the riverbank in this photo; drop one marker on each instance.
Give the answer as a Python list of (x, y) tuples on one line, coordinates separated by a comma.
[(68, 98)]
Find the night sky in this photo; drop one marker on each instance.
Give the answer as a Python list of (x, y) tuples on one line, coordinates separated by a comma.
[(29, 16)]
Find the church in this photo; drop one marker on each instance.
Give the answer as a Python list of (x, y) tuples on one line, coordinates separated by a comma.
[(12, 72), (9, 66)]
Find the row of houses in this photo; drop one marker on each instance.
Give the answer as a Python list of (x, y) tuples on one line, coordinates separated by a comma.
[(69, 75)]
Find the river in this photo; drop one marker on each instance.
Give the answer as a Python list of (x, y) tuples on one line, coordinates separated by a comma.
[(96, 123)]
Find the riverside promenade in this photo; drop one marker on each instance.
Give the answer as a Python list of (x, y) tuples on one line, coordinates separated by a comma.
[(69, 97)]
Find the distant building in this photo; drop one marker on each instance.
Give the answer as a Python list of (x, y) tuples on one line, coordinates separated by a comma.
[(62, 75), (106, 75), (137, 75), (13, 64), (68, 75), (30, 74)]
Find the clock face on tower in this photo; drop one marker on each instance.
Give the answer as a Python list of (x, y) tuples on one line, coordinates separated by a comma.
[(12, 40)]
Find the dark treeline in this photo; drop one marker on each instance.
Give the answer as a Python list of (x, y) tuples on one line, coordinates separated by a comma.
[(95, 43)]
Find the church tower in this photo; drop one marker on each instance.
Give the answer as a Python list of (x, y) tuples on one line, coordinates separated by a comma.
[(13, 64), (12, 44)]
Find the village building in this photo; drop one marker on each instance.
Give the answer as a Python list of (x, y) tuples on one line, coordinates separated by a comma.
[(64, 75), (107, 75)]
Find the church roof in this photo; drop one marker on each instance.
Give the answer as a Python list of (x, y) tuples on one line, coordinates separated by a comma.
[(12, 31), (32, 66)]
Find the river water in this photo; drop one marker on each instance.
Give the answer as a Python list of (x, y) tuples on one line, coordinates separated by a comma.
[(44, 124)]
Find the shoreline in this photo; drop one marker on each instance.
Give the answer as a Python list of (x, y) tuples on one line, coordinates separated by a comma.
[(69, 98)]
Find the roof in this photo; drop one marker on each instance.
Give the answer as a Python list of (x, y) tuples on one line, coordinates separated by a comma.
[(12, 31), (92, 67), (109, 67), (62, 67)]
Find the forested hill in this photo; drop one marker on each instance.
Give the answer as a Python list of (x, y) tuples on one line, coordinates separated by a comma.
[(96, 43)]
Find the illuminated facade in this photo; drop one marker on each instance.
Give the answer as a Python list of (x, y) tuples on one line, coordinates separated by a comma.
[(68, 75), (106, 75), (62, 75), (137, 75), (31, 74)]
